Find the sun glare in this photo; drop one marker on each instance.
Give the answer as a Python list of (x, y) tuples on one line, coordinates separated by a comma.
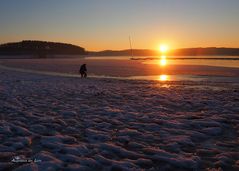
[(162, 61), (163, 77), (163, 48)]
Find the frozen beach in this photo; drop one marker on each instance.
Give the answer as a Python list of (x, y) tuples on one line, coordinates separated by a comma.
[(67, 123), (124, 67)]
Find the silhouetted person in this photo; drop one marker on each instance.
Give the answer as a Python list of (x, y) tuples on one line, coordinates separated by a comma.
[(83, 71)]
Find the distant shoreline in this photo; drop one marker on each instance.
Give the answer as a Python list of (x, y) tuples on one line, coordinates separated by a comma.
[(188, 58), (43, 49), (35, 57), (210, 51), (139, 57)]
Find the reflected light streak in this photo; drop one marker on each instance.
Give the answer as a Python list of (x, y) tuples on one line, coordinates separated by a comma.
[(163, 61), (163, 78)]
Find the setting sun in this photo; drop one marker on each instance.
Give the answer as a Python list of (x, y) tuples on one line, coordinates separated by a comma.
[(163, 48)]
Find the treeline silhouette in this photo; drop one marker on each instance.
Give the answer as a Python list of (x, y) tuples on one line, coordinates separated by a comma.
[(211, 51), (43, 49), (127, 52), (40, 48)]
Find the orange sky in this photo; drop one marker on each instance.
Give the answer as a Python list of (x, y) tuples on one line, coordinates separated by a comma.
[(107, 24)]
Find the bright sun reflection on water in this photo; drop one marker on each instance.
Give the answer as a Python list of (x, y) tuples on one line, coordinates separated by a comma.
[(163, 61), (163, 78)]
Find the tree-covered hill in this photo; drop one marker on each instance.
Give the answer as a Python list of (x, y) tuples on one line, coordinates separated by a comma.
[(40, 48)]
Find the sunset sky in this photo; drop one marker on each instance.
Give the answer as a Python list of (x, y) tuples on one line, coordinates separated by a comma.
[(107, 24)]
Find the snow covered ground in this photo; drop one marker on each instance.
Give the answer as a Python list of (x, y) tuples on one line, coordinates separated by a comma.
[(60, 123)]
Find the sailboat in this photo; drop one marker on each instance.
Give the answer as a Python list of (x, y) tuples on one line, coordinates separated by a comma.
[(130, 43)]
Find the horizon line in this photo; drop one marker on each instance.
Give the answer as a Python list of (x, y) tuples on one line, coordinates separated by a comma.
[(196, 47)]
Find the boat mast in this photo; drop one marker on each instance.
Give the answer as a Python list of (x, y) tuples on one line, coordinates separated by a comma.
[(131, 47)]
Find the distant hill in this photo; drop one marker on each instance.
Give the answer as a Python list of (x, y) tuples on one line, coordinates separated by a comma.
[(40, 48), (127, 52), (43, 49), (211, 51)]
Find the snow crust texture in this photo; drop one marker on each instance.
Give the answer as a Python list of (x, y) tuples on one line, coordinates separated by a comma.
[(114, 125)]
